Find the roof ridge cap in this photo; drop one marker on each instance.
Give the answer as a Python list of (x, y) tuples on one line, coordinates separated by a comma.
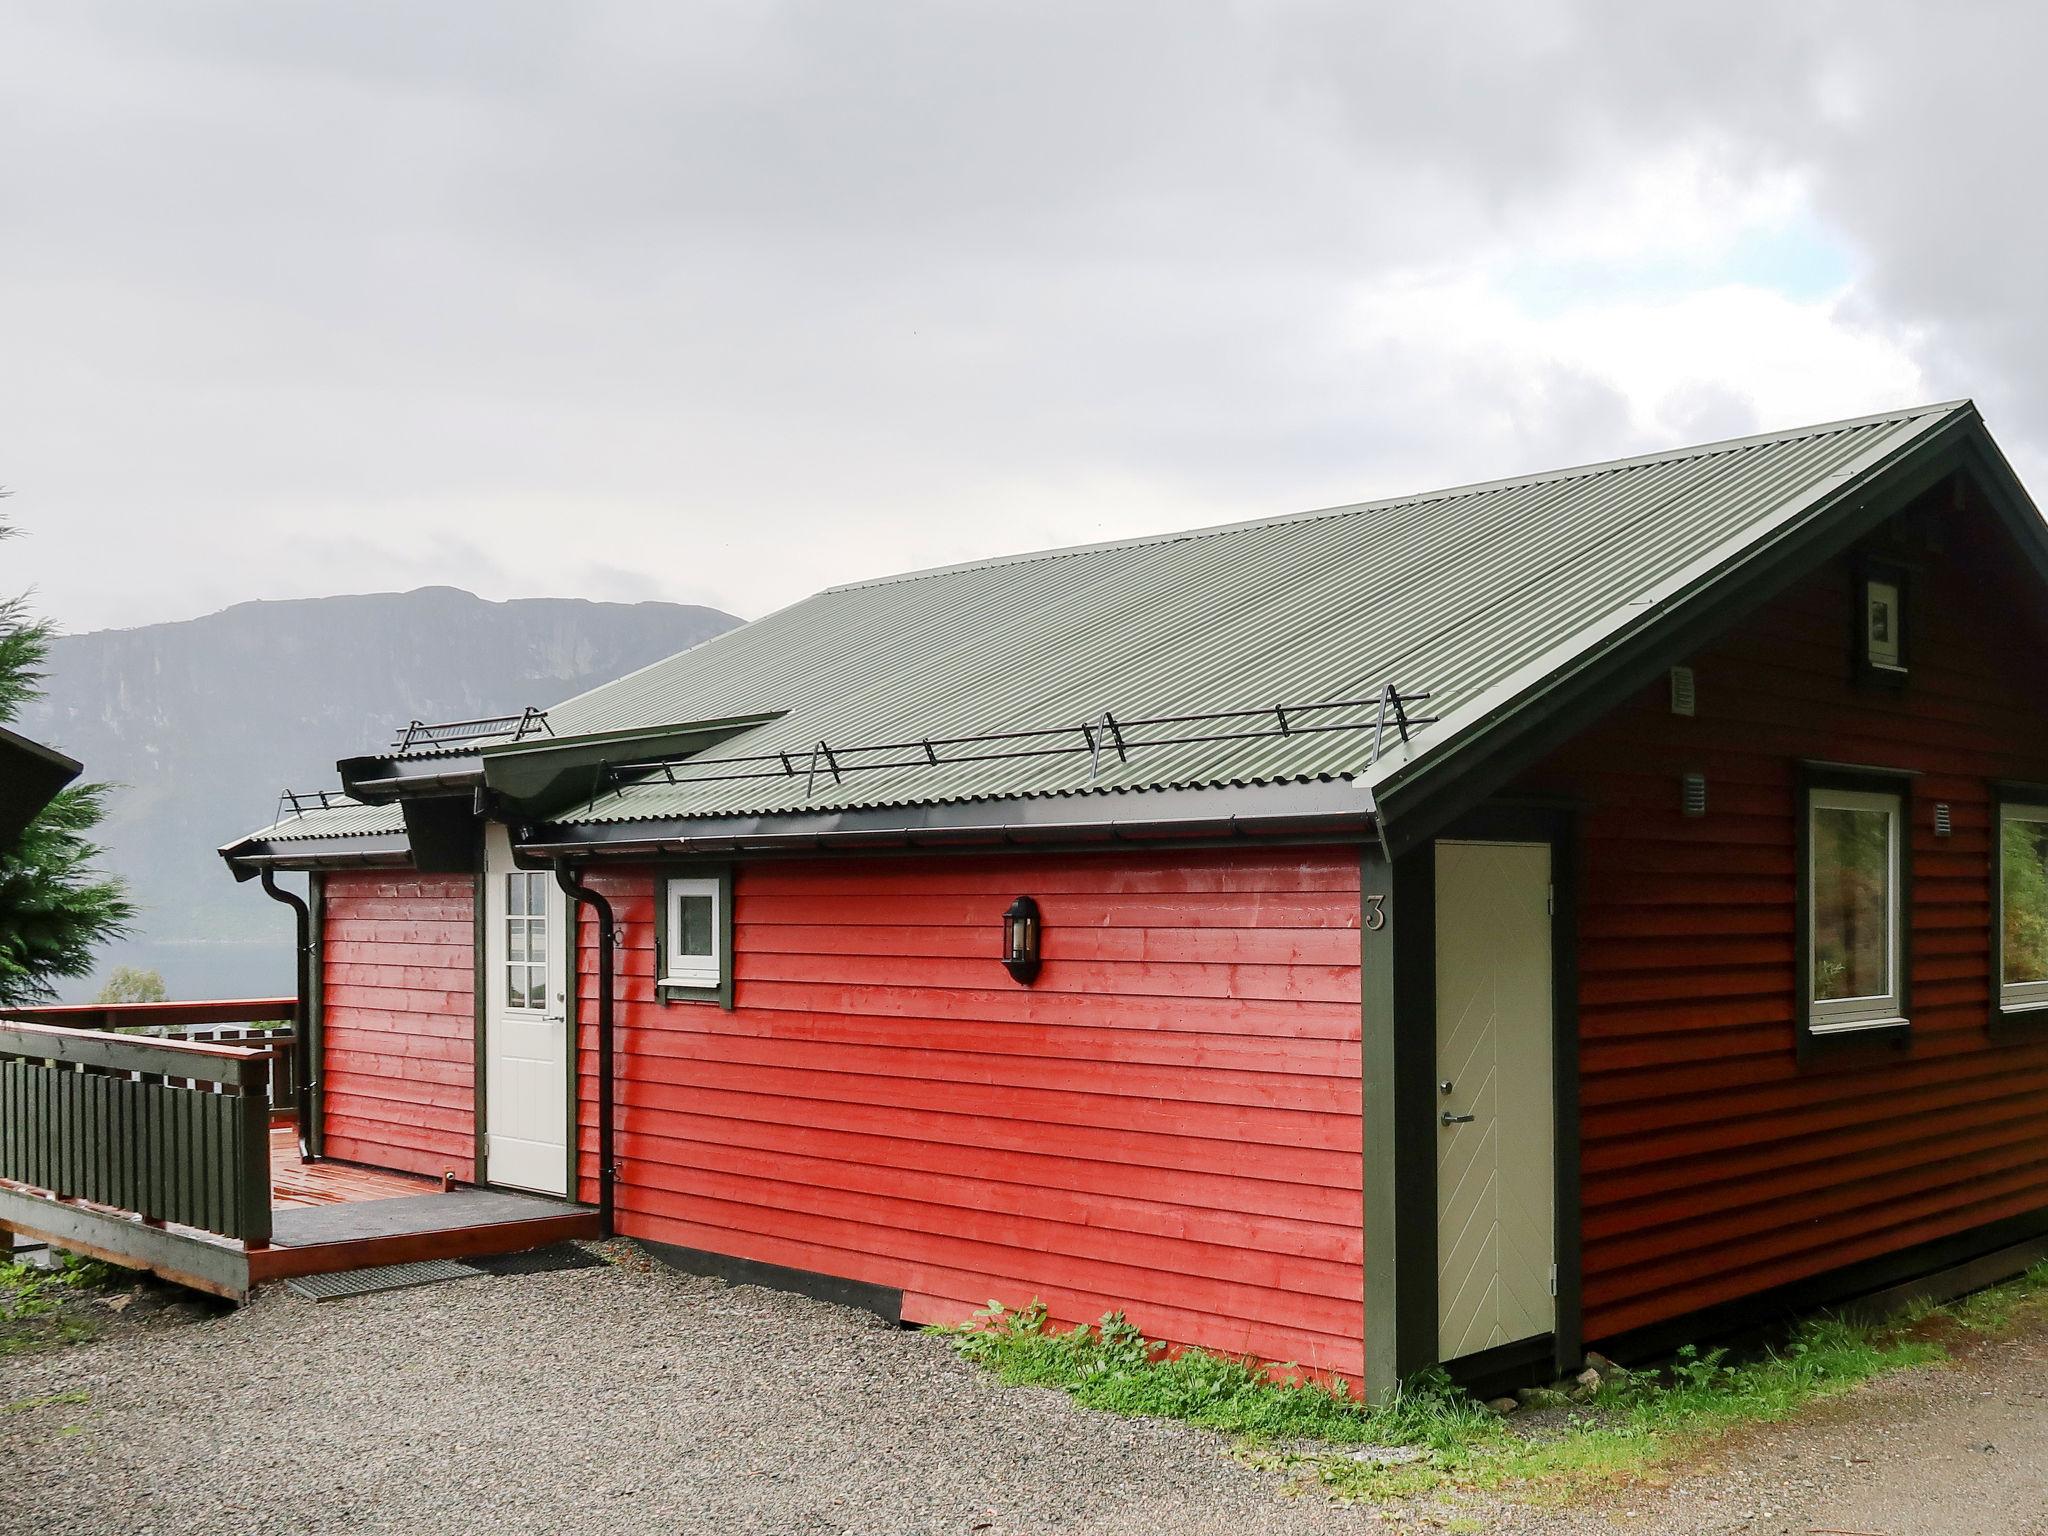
[(1445, 493)]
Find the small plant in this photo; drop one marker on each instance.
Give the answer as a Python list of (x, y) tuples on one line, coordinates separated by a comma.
[(1290, 1420), (29, 1296)]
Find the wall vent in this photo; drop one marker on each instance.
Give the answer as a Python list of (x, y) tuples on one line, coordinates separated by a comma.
[(1681, 691), (1943, 826), (1695, 794)]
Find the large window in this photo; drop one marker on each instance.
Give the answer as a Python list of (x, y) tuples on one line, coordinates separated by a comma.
[(1853, 883), (2023, 905), (694, 942)]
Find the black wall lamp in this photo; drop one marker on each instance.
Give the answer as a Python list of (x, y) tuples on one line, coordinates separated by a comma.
[(1020, 939)]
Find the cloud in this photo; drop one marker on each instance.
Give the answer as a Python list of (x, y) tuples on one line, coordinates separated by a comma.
[(729, 301)]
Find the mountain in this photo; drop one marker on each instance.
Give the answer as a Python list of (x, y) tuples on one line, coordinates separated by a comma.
[(203, 722)]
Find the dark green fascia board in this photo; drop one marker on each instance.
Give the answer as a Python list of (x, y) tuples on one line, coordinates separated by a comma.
[(1419, 799), (529, 780), (1339, 809), (31, 775), (365, 850)]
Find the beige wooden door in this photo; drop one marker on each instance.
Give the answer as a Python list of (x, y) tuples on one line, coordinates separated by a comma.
[(1496, 1140), (526, 1024)]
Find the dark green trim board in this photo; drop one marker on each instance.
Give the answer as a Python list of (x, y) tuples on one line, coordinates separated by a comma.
[(1398, 987), (1866, 780), (480, 1043), (1556, 825), (1398, 1059), (2007, 1022), (881, 1300), (667, 991)]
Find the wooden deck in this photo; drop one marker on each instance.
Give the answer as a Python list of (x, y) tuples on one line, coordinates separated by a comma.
[(328, 1217), (294, 1184)]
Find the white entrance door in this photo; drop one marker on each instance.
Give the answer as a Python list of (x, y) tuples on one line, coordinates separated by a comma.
[(526, 1024), (1496, 1143)]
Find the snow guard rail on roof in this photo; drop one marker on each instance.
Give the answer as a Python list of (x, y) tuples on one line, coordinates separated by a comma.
[(1104, 733), (446, 733)]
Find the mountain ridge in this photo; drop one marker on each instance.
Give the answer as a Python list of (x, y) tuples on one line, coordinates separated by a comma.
[(200, 722)]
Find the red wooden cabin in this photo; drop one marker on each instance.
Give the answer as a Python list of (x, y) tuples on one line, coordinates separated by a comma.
[(1462, 928)]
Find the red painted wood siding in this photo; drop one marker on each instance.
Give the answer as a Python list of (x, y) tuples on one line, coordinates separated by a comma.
[(1714, 1164), (398, 979), (1167, 1123)]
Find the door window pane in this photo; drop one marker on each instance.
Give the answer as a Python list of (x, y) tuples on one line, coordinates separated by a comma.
[(526, 934), (1852, 901), (2023, 894)]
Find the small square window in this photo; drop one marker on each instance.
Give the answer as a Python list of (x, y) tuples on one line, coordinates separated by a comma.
[(1853, 882), (2022, 906), (696, 940)]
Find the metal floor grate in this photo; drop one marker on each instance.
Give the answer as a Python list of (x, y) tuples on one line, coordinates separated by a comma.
[(379, 1277)]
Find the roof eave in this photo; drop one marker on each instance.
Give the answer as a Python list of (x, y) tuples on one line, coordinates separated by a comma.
[(1337, 808), (250, 855)]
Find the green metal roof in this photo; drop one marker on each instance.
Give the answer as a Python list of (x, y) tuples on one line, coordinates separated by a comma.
[(1469, 595), (350, 820)]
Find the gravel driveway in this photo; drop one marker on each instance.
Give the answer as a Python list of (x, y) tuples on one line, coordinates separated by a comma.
[(634, 1399)]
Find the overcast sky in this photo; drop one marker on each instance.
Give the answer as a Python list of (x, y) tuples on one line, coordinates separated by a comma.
[(724, 302)]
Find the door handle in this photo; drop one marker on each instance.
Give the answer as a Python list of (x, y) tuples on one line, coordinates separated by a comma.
[(1450, 1119)]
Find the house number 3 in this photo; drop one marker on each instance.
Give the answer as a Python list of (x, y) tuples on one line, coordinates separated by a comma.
[(1375, 913)]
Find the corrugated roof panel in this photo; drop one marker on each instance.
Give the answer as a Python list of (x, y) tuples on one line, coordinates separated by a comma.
[(351, 820), (1450, 592)]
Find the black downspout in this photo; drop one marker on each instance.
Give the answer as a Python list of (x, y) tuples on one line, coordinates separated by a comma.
[(607, 935), (308, 1109)]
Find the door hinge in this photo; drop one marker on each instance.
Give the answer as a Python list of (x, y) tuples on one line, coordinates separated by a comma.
[(1550, 900), (1553, 1279)]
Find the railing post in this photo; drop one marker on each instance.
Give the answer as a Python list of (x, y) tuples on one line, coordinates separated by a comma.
[(252, 1177)]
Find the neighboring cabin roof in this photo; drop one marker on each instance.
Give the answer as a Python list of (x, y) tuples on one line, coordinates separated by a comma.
[(31, 775), (1466, 594)]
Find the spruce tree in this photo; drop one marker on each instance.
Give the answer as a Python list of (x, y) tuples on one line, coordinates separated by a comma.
[(55, 909)]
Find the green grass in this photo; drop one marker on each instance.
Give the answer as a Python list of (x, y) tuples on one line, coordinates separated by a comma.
[(33, 1302), (1635, 1422)]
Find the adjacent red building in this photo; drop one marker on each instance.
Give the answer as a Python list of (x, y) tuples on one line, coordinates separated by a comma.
[(1578, 908)]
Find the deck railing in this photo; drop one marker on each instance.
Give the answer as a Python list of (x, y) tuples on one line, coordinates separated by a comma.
[(263, 1022), (167, 1130)]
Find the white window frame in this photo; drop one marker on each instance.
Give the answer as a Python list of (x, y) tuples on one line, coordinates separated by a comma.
[(1886, 1010), (2013, 996), (694, 973)]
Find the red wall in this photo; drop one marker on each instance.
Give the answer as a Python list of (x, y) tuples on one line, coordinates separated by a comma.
[(397, 972), (1167, 1123), (1715, 1164)]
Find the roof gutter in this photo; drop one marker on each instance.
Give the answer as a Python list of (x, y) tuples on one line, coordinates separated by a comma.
[(607, 939), (247, 859), (380, 780)]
